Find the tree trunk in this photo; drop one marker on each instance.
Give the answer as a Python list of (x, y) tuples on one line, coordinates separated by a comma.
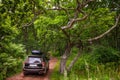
[(74, 60), (34, 32), (64, 58), (63, 64), (118, 38)]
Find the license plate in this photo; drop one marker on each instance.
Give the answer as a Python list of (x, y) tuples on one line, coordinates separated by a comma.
[(33, 65)]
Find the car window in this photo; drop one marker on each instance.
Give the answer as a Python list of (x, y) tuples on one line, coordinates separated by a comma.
[(34, 60)]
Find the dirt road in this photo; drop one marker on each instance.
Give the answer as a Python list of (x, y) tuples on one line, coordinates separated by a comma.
[(20, 76)]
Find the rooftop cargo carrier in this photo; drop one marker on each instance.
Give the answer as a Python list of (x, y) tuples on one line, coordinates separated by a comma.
[(36, 52)]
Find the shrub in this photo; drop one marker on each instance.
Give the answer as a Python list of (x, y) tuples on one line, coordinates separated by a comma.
[(11, 60), (16, 50), (102, 63), (103, 54)]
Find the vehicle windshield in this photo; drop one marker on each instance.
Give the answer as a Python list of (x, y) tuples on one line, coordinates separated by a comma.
[(34, 60)]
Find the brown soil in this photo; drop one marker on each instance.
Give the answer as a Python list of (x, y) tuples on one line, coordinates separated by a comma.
[(20, 76)]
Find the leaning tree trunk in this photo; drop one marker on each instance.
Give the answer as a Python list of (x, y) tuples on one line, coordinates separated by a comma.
[(64, 58), (70, 25), (74, 60)]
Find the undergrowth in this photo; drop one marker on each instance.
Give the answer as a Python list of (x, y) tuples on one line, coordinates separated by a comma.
[(102, 63), (11, 60)]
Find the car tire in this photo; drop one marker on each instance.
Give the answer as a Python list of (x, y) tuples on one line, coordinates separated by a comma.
[(24, 73), (45, 71), (48, 68)]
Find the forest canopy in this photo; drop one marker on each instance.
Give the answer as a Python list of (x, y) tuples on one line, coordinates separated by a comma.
[(61, 27)]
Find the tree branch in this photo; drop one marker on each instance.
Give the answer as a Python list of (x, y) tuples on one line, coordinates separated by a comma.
[(85, 3), (35, 15), (102, 35), (71, 22), (78, 10), (66, 34), (74, 60), (30, 23), (81, 19), (60, 8)]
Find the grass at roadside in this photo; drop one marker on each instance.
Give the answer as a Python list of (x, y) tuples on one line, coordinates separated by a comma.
[(55, 74), (90, 67), (101, 72)]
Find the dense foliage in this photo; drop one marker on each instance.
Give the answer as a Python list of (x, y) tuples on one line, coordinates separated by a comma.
[(11, 59), (37, 24), (102, 63)]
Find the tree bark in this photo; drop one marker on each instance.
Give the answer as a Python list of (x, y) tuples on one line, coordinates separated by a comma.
[(63, 64), (64, 58), (74, 60), (70, 24), (34, 32), (118, 37)]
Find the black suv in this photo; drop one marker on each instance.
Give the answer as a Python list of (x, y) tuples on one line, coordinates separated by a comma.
[(36, 63)]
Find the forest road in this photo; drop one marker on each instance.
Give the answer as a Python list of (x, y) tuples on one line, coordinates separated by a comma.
[(20, 76)]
